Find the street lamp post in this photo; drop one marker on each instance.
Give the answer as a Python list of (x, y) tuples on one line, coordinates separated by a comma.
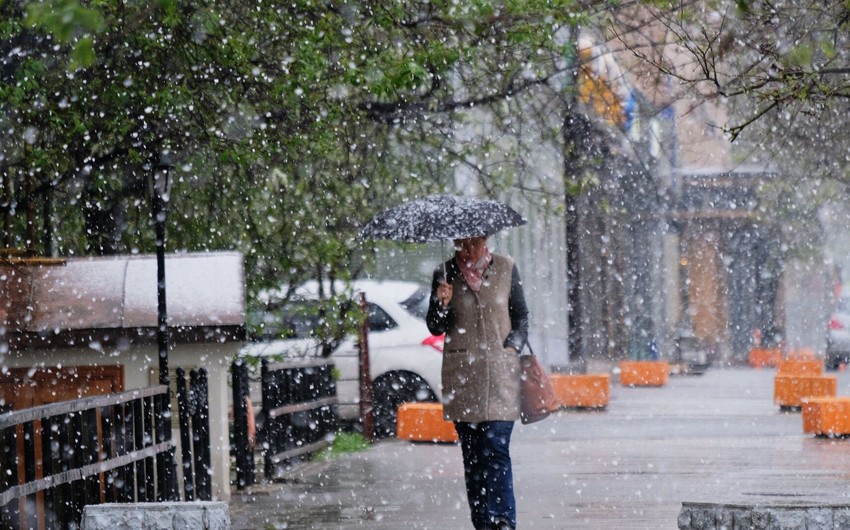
[(159, 187)]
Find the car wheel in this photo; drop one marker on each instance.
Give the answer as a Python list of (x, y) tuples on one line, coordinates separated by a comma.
[(391, 390)]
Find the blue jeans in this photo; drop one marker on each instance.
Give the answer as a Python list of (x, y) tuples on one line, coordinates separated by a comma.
[(488, 473)]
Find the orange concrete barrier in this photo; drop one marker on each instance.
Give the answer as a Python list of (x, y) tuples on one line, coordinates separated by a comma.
[(799, 367), (644, 373), (764, 357), (802, 354), (423, 422), (826, 416), (583, 390), (789, 390)]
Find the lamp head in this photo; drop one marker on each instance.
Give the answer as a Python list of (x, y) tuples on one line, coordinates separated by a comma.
[(159, 180)]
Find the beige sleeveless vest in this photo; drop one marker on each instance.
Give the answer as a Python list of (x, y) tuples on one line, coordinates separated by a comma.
[(480, 378)]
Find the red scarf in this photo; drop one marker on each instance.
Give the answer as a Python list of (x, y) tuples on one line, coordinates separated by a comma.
[(473, 273)]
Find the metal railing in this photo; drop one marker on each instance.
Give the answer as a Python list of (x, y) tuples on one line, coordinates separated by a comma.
[(240, 444), (57, 458), (194, 415), (298, 414), (60, 457)]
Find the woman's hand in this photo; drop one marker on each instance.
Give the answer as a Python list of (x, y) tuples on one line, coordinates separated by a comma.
[(444, 294)]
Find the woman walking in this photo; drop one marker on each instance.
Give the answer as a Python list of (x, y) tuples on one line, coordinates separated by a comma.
[(478, 302)]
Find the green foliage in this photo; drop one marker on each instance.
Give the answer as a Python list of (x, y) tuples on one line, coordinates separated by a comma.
[(801, 54), (289, 126), (772, 62), (65, 19), (70, 23), (581, 185), (344, 443), (663, 4), (82, 54), (828, 48)]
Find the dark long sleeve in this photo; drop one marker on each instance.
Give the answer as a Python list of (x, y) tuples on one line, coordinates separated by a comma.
[(518, 310), (438, 319)]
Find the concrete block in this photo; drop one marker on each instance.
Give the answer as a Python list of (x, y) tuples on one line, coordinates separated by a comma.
[(789, 390), (693, 516), (644, 373), (841, 517), (705, 519), (790, 518), (764, 357), (698, 516), (804, 354), (157, 516), (819, 519), (582, 391), (799, 367), (423, 422), (826, 416), (760, 519)]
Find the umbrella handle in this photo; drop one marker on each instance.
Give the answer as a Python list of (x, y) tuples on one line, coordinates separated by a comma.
[(445, 277), (442, 257)]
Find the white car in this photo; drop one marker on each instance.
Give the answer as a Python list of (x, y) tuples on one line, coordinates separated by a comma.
[(404, 358)]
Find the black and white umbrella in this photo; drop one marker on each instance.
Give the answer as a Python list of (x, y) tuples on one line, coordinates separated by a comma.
[(441, 217)]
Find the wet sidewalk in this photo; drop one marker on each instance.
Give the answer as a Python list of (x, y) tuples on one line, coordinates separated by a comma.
[(713, 438)]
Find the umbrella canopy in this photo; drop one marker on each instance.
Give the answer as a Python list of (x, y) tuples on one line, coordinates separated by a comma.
[(441, 217)]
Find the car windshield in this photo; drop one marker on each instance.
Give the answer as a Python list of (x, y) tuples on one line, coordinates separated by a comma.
[(417, 303), (298, 320)]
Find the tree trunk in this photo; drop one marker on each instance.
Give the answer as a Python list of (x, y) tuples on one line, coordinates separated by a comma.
[(576, 131)]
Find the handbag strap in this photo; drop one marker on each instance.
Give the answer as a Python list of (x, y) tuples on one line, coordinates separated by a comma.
[(530, 351)]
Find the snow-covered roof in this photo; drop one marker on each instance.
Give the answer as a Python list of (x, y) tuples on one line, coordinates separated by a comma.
[(202, 290)]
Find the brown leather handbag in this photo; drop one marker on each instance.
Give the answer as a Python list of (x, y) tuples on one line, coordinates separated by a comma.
[(538, 398)]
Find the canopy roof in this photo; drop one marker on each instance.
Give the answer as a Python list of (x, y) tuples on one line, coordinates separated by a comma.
[(203, 290)]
